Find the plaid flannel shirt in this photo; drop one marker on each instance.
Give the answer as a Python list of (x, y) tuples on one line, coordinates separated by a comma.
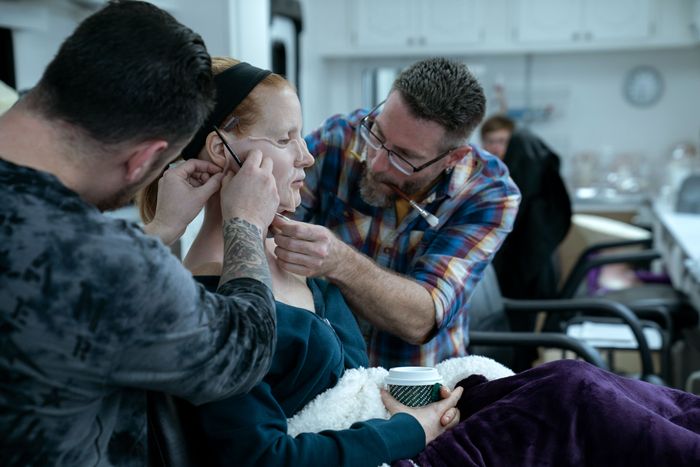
[(476, 205)]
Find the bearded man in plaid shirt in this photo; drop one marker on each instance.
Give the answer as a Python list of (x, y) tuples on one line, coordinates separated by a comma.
[(407, 281)]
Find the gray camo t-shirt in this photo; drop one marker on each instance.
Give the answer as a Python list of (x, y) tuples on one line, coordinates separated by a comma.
[(93, 312)]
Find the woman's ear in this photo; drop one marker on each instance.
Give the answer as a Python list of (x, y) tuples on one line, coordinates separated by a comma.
[(218, 153)]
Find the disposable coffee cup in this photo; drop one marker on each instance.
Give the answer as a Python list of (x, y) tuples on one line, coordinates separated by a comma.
[(414, 386)]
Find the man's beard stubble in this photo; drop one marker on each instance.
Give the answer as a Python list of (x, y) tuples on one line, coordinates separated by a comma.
[(127, 193), (119, 199), (372, 193)]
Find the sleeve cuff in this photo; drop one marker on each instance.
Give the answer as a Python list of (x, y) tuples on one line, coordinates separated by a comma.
[(404, 436)]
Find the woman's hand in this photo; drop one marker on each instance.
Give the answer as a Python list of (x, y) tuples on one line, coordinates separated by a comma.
[(452, 413), (435, 418)]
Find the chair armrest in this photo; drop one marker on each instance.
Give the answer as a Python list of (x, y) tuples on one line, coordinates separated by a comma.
[(596, 247), (585, 264), (652, 312), (527, 339), (594, 305)]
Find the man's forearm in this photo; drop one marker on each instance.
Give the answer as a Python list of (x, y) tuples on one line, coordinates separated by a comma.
[(244, 252), (395, 304)]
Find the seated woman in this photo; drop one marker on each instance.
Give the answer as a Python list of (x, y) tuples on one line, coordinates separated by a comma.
[(562, 413), (318, 337)]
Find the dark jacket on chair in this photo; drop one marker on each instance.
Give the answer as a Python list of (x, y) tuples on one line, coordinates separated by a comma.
[(524, 263)]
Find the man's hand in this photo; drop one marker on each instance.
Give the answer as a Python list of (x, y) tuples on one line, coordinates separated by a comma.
[(252, 193), (435, 418), (393, 303), (306, 249), (182, 192)]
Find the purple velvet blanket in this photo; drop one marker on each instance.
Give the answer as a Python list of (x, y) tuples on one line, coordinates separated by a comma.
[(568, 413)]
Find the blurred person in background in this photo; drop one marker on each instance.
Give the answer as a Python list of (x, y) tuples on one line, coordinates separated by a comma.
[(495, 134)]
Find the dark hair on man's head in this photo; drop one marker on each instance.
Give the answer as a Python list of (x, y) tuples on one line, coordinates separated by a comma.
[(495, 123), (445, 92), (129, 72)]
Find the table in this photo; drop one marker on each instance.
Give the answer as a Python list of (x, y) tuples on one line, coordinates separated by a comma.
[(677, 238)]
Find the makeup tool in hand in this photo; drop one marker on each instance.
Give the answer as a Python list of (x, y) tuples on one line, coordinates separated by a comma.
[(238, 161), (429, 218)]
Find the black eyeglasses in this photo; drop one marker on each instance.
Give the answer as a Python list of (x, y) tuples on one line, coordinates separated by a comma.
[(223, 140), (396, 160)]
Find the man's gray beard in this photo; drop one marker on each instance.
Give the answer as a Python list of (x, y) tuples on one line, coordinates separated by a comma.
[(372, 194)]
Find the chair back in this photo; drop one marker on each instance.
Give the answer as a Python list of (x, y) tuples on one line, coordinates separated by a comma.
[(173, 437), (487, 313)]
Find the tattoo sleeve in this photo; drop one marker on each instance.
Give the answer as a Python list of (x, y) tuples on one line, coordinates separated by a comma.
[(244, 253)]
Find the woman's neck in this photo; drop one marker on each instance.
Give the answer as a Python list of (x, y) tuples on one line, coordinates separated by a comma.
[(206, 257), (287, 287)]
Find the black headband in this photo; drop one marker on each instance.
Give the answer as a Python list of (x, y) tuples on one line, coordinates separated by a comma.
[(232, 86)]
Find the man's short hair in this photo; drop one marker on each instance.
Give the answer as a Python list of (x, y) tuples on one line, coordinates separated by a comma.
[(495, 123), (445, 92), (129, 72)]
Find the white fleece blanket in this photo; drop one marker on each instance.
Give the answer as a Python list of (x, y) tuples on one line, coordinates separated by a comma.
[(356, 396)]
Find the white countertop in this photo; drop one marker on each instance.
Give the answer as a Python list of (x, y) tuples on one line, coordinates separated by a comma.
[(685, 229)]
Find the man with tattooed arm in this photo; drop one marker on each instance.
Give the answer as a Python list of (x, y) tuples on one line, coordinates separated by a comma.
[(93, 311)]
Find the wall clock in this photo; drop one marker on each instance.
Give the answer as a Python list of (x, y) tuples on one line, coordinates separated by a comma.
[(643, 86)]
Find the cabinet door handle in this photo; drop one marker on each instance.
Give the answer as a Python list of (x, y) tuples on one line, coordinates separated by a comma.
[(588, 36), (576, 36), (422, 40), (410, 41)]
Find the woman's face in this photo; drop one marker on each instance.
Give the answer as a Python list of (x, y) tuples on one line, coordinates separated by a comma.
[(278, 136)]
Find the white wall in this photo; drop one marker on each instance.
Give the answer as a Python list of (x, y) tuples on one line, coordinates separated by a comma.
[(38, 29), (234, 28), (591, 114)]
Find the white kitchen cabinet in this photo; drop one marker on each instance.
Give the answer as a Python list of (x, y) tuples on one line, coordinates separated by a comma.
[(413, 28), (385, 23), (419, 24), (450, 22), (582, 21), (547, 20), (619, 19)]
